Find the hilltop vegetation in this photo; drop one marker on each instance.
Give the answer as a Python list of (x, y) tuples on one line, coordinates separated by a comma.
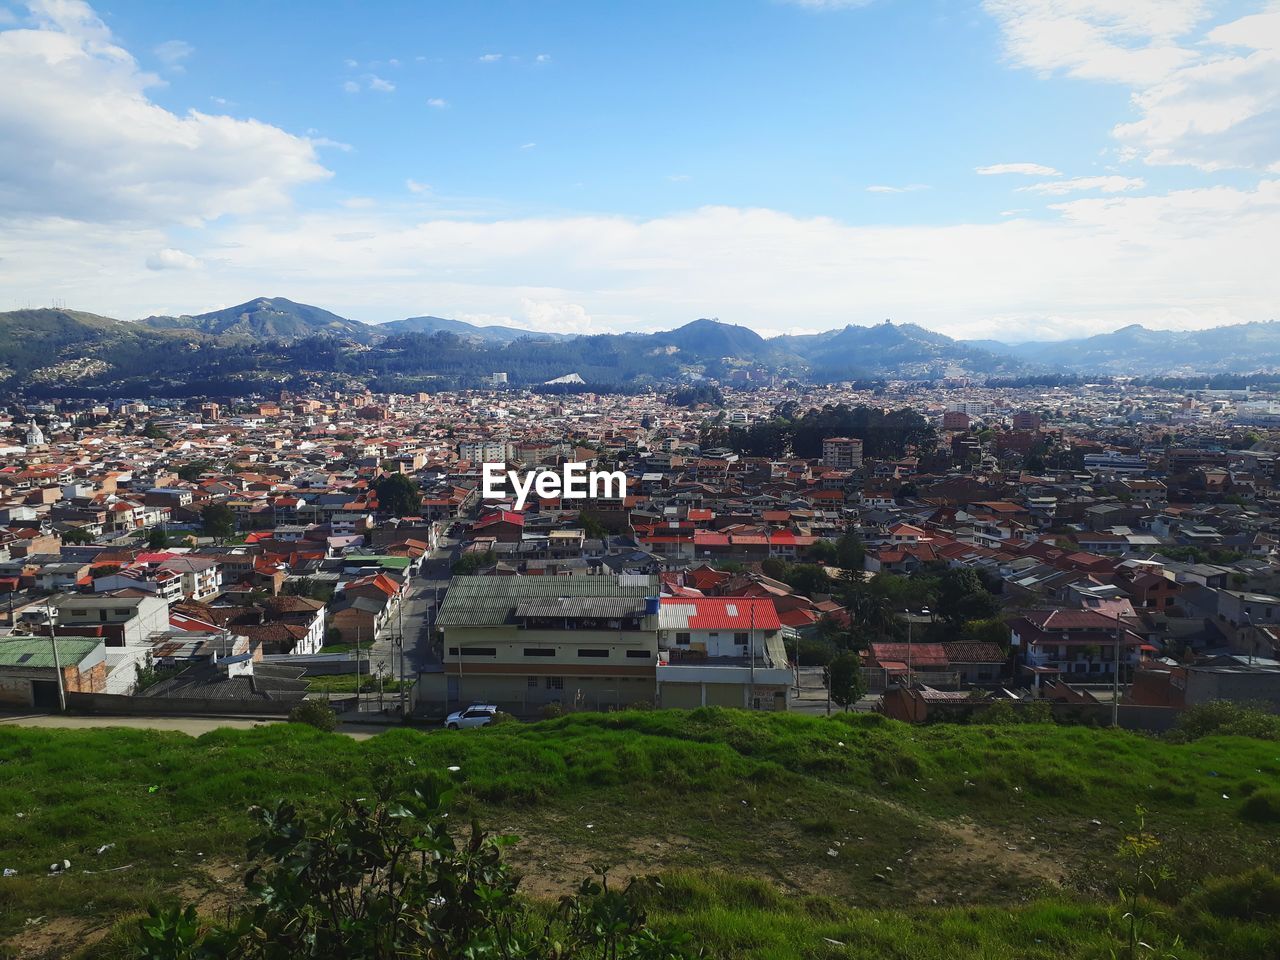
[(772, 832)]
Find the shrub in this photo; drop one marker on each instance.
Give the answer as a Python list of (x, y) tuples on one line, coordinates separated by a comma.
[(501, 717), (1254, 895), (1262, 806), (314, 713), (1225, 718), (551, 711)]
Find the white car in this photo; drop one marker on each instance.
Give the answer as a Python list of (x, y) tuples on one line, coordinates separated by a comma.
[(476, 715)]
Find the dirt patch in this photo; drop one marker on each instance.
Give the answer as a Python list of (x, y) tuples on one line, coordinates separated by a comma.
[(45, 938)]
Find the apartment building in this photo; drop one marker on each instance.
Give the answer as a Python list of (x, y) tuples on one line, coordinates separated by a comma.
[(842, 453), (523, 642)]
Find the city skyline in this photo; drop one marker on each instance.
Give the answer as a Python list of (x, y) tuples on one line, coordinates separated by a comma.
[(1015, 170)]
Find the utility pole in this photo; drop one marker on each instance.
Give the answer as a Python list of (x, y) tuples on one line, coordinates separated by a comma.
[(1115, 678), (52, 613), (357, 668)]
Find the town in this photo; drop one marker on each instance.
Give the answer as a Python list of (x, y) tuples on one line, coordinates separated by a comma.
[(1106, 553)]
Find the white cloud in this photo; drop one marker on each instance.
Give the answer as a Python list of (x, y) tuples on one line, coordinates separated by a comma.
[(542, 58), (1190, 258), (359, 203), (350, 86), (679, 177), (85, 142), (171, 259), (1110, 184), (438, 103), (350, 64), (1205, 99), (1221, 111), (909, 188), (173, 52), (490, 57), (1025, 169), (413, 186), (556, 316), (1130, 41), (381, 86), (528, 146)]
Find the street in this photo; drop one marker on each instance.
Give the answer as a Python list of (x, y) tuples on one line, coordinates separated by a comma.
[(414, 618)]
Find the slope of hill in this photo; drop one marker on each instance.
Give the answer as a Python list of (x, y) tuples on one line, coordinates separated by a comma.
[(268, 318), (777, 835), (892, 349), (491, 333), (52, 346)]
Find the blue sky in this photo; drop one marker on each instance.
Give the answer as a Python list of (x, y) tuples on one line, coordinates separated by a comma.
[(1013, 168)]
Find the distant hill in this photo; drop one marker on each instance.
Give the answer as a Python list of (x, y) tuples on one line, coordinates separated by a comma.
[(271, 342), (490, 333), (891, 349), (1136, 350), (59, 346), (273, 318)]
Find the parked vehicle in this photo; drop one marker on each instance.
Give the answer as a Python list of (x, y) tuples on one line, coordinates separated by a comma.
[(476, 715)]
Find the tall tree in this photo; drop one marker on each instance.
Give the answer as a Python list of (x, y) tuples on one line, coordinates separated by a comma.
[(844, 679), (219, 521), (398, 495)]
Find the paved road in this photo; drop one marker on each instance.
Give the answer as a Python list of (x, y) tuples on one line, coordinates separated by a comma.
[(193, 726), (414, 618)]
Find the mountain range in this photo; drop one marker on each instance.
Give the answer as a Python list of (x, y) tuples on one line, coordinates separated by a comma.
[(271, 340)]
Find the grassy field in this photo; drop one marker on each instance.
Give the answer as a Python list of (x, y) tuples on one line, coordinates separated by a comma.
[(778, 836)]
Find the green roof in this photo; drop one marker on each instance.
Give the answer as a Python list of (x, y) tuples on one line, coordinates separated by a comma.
[(38, 652), (486, 601), (382, 560)]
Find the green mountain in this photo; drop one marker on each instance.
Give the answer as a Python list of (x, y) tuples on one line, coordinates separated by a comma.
[(892, 349), (273, 318)]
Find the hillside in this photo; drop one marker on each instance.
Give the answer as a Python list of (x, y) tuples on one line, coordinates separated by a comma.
[(775, 834), (490, 333), (892, 349), (268, 318), (269, 343)]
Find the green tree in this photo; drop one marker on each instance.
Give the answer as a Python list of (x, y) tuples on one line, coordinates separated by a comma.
[(77, 535), (219, 521), (157, 539), (962, 596), (398, 495), (850, 551), (844, 679)]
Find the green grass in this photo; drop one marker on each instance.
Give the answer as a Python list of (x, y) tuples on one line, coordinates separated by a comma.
[(774, 832)]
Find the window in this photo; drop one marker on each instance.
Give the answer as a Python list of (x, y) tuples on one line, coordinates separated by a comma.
[(533, 682), (682, 638), (479, 651), (585, 652), (740, 638), (639, 654), (555, 683), (539, 651)]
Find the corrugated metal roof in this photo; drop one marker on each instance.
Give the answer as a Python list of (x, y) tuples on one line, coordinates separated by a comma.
[(479, 601), (718, 613), (581, 607), (38, 652)]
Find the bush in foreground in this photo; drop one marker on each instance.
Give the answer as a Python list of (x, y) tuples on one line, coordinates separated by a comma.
[(388, 880), (315, 713)]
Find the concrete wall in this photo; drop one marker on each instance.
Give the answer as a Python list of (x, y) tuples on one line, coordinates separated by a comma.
[(105, 703)]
